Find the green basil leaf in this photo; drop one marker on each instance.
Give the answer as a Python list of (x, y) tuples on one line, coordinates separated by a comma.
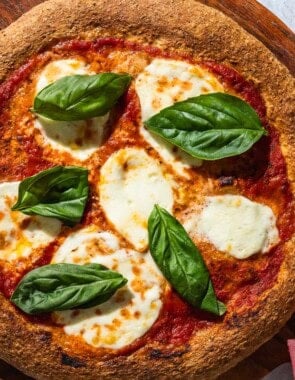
[(66, 286), (60, 192), (181, 262), (209, 127), (80, 97)]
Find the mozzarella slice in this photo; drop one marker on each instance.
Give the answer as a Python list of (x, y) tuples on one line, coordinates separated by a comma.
[(161, 84), (132, 310), (79, 138), (131, 183), (236, 225), (60, 68), (20, 234), (164, 82)]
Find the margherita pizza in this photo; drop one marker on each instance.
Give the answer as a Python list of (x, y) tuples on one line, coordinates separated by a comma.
[(146, 181)]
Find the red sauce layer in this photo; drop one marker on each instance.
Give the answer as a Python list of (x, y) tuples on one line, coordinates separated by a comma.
[(265, 174)]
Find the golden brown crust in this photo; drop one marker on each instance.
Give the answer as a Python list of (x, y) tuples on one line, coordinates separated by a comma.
[(208, 34), (33, 349)]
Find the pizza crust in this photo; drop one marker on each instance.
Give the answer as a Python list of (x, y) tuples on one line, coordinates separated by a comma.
[(206, 34), (189, 26), (33, 349)]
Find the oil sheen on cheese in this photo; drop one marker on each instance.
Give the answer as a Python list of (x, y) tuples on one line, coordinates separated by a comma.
[(236, 225), (162, 83), (131, 183), (79, 138), (129, 313), (20, 234)]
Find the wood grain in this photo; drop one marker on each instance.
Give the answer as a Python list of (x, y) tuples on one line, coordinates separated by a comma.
[(263, 24), (281, 41)]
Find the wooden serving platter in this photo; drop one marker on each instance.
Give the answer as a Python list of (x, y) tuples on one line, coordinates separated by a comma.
[(265, 26)]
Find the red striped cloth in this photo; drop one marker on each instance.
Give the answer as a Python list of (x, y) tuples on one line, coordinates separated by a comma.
[(291, 345)]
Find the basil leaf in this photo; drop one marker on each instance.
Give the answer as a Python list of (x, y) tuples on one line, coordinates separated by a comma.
[(80, 97), (181, 262), (66, 286), (60, 192), (210, 126)]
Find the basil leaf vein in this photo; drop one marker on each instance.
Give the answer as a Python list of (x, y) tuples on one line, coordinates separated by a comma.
[(209, 127), (181, 262), (80, 97), (66, 286), (60, 192)]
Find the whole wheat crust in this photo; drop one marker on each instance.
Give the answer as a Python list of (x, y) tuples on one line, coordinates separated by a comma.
[(184, 25)]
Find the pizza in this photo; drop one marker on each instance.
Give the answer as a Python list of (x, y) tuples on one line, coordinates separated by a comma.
[(146, 191)]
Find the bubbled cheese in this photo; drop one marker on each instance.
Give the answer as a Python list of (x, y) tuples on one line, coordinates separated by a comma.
[(160, 85), (235, 225), (21, 234), (60, 68), (133, 309), (131, 183), (79, 138)]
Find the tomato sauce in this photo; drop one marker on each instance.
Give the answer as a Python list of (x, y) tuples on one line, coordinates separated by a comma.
[(9, 87), (264, 174)]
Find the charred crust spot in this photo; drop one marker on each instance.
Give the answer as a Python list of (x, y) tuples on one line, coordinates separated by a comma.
[(72, 362), (238, 321), (235, 321), (161, 354), (45, 337), (226, 181), (253, 313)]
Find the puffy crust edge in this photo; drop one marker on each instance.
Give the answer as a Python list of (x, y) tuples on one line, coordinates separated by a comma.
[(207, 34), (32, 348), (190, 26)]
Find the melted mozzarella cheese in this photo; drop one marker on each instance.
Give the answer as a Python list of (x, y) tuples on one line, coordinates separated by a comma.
[(58, 69), (133, 309), (21, 234), (160, 85), (131, 183), (79, 138), (236, 225)]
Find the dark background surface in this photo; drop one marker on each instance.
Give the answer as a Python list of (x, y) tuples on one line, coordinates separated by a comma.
[(278, 38)]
